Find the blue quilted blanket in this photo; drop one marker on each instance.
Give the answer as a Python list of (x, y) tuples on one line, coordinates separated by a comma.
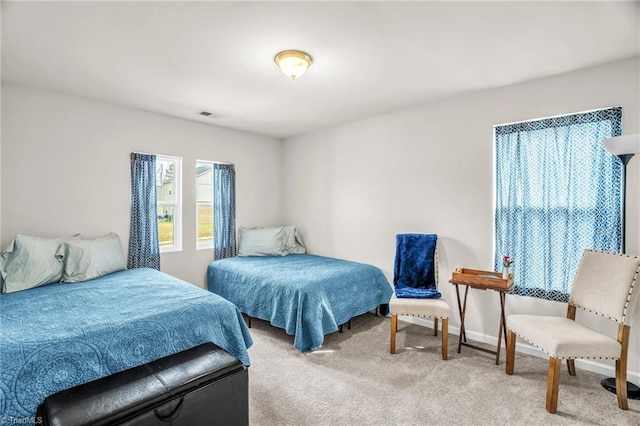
[(61, 335), (414, 266), (306, 295)]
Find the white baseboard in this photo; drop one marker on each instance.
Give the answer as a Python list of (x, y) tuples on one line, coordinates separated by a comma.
[(585, 364)]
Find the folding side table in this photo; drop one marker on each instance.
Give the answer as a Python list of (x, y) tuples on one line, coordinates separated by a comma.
[(481, 280)]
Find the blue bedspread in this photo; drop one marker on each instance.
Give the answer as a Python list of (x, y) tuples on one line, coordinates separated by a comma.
[(61, 335), (307, 295)]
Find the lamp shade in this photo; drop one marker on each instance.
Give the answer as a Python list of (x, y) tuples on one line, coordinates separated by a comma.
[(621, 145), (293, 63)]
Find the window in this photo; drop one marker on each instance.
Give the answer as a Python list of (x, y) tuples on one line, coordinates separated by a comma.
[(168, 181), (558, 192), (204, 204)]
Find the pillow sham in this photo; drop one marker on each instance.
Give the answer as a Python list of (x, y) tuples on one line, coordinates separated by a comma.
[(294, 244), (86, 259), (30, 262), (262, 241)]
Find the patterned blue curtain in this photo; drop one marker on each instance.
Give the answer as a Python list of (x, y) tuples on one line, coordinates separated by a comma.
[(144, 247), (558, 192), (224, 211)]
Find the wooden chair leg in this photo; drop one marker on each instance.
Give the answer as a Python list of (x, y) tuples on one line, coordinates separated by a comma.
[(394, 328), (511, 352), (571, 366), (621, 367), (435, 326), (445, 338), (621, 384), (553, 384)]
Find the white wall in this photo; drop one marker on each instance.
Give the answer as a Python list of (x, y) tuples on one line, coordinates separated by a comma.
[(66, 169), (0, 164), (1, 5), (429, 169)]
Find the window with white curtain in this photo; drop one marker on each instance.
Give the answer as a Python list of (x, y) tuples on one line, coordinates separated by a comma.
[(558, 192)]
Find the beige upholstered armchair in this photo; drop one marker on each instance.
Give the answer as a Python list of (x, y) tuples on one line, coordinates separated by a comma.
[(606, 284)]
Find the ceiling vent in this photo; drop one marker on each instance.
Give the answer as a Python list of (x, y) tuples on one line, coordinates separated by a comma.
[(209, 114)]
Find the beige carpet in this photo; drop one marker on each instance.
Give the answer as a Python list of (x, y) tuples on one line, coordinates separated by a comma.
[(353, 380)]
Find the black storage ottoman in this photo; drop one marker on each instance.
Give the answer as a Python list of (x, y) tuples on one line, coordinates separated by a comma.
[(201, 386)]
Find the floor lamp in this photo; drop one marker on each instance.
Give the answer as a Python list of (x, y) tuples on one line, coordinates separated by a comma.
[(624, 147)]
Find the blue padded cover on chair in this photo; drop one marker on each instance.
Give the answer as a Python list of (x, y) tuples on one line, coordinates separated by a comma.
[(414, 268)]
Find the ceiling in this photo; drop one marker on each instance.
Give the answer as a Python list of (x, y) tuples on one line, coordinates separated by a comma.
[(179, 58)]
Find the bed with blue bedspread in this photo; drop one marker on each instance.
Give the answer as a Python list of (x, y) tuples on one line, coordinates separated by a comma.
[(306, 295), (61, 335)]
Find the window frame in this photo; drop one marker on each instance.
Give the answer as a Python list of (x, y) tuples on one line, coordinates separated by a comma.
[(208, 245), (176, 203)]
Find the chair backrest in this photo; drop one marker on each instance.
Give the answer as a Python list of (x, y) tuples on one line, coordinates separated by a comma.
[(607, 284), (415, 261)]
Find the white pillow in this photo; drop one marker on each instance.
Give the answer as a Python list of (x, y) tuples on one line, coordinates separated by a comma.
[(86, 259), (262, 241), (30, 262)]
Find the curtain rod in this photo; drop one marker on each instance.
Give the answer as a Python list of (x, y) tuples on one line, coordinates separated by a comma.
[(204, 161)]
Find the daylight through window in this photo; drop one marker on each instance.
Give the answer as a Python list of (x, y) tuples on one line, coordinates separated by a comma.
[(204, 204), (558, 192), (168, 177)]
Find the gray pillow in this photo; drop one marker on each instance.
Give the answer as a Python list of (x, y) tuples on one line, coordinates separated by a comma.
[(262, 241), (30, 262), (294, 244), (86, 259)]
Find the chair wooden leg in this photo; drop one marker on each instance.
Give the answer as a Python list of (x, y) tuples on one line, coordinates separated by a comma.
[(621, 367), (394, 328), (571, 366), (553, 384), (511, 352), (435, 326), (621, 384), (445, 338)]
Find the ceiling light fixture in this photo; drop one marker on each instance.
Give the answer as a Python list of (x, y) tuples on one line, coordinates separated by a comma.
[(293, 63)]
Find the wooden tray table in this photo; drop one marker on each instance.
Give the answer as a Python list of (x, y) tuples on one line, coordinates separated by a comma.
[(481, 280)]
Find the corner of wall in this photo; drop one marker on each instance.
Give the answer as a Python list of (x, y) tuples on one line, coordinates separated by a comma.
[(284, 216), (1, 138)]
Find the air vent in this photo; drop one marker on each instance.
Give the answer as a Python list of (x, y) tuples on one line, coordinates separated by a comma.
[(209, 114)]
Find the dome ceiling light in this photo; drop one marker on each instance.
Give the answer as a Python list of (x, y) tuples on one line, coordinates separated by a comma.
[(293, 63)]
